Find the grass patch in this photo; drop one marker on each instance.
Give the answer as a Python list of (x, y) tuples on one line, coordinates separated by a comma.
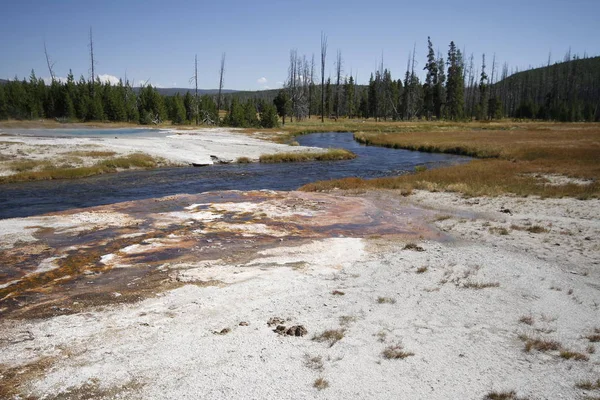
[(536, 229), (332, 336), (480, 285), (539, 344), (594, 337), (413, 246), (321, 383), (588, 385), (573, 355), (329, 155), (511, 155), (243, 160), (526, 319), (386, 300), (498, 230), (91, 153), (510, 395), (136, 160), (396, 352)]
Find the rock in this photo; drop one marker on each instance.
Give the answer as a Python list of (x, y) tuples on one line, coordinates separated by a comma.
[(218, 160), (223, 331), (297, 330)]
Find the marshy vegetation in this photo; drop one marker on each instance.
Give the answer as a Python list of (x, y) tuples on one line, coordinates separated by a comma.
[(329, 155)]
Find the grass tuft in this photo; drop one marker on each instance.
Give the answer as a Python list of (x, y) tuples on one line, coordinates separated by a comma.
[(396, 352), (573, 355), (386, 300), (329, 155), (243, 160), (511, 395), (332, 336), (422, 270), (413, 246), (526, 319), (539, 344), (321, 383)]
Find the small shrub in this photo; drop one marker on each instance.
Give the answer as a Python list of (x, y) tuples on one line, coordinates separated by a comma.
[(321, 384), (395, 352), (588, 385), (480, 285), (512, 395), (386, 300), (573, 355), (538, 344), (413, 246), (536, 229), (332, 336), (526, 319), (595, 336)]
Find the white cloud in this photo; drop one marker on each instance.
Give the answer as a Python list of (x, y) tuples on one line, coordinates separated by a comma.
[(262, 81), (113, 80)]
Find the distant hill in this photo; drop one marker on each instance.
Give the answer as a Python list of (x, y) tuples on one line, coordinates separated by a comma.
[(565, 91)]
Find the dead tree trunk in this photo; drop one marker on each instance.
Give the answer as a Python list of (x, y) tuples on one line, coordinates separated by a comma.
[(221, 75), (323, 58), (50, 65)]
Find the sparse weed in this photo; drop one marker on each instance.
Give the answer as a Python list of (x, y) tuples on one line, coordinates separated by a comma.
[(573, 355), (386, 300), (511, 395), (413, 246), (588, 384), (332, 336), (539, 344), (321, 383), (526, 319), (315, 362), (395, 352)]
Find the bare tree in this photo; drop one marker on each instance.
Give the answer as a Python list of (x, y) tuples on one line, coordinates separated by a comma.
[(196, 103), (92, 56), (311, 84), (298, 85), (221, 77), (50, 64), (323, 58), (338, 73)]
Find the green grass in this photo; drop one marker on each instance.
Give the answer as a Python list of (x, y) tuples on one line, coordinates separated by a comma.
[(329, 155)]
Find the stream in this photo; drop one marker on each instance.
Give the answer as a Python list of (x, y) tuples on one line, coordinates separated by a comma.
[(34, 198)]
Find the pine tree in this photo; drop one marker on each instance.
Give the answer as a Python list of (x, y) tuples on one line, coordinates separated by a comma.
[(268, 116), (282, 103), (482, 108), (3, 104), (439, 97), (430, 86), (455, 85)]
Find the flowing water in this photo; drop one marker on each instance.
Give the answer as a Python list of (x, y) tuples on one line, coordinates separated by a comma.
[(33, 198)]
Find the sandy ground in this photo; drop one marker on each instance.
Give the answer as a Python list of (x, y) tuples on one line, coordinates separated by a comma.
[(482, 276), (202, 146)]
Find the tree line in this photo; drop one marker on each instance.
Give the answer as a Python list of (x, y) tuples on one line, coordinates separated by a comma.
[(86, 100), (454, 88)]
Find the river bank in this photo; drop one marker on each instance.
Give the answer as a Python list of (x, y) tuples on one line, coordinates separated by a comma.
[(23, 151), (171, 297)]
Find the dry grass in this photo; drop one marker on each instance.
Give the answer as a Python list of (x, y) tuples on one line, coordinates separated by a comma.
[(594, 337), (573, 355), (386, 300), (321, 383), (332, 336), (498, 230), (136, 160), (588, 385), (91, 153), (526, 319), (511, 395), (539, 344), (513, 156), (243, 160), (338, 293), (413, 246), (329, 155), (479, 285), (422, 270), (396, 352)]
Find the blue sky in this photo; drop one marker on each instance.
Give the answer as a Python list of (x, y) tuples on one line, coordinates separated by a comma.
[(157, 40)]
